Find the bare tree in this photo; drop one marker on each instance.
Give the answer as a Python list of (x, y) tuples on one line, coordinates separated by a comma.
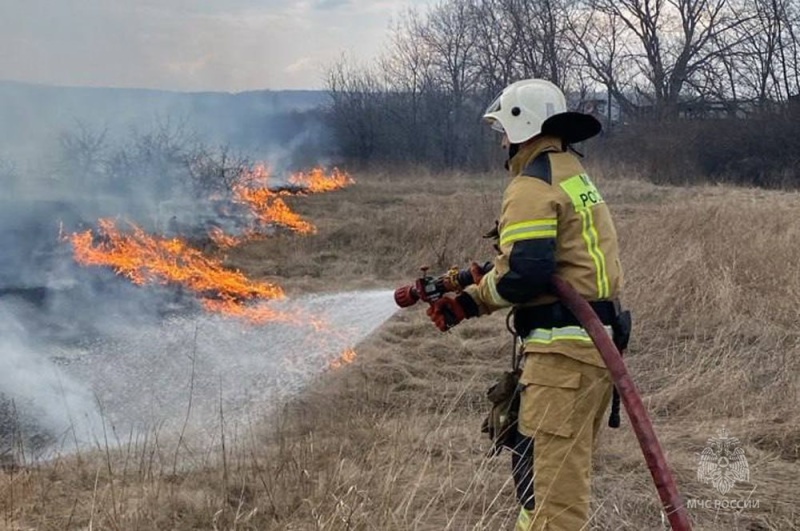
[(408, 70), (450, 37), (676, 40), (212, 172), (540, 26), (355, 116), (82, 155), (604, 53), (497, 45), (758, 59), (760, 39), (657, 59), (152, 162), (787, 13)]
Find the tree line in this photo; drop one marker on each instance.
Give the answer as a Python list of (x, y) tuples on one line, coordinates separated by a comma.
[(644, 61)]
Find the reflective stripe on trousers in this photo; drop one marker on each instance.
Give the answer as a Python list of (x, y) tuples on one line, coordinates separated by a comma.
[(546, 336)]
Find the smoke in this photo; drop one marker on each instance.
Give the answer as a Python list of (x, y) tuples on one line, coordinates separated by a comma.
[(148, 376), (69, 156), (257, 123), (40, 406), (71, 369), (82, 349)]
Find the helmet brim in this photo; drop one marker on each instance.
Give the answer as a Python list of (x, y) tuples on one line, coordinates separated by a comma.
[(494, 123), (572, 127)]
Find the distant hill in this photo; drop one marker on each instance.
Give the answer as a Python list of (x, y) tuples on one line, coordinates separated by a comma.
[(31, 114)]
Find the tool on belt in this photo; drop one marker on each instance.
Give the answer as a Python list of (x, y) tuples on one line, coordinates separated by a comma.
[(501, 423)]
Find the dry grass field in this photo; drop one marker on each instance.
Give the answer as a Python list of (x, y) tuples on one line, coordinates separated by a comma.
[(392, 441)]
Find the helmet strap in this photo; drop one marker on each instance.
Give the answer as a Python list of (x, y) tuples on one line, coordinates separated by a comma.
[(513, 149), (571, 148)]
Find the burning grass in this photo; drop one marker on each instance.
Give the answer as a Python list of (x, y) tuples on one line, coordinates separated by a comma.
[(392, 440), (143, 258), (347, 357), (265, 200), (318, 181)]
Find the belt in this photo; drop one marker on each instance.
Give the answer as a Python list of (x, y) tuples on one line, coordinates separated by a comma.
[(556, 315)]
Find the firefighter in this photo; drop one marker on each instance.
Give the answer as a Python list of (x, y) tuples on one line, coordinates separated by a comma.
[(553, 221)]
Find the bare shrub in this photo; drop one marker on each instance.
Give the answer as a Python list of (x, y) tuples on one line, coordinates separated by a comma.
[(757, 151)]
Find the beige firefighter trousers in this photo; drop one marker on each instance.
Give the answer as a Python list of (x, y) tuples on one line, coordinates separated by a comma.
[(563, 406)]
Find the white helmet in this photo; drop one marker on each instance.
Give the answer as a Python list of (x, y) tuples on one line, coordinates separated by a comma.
[(521, 109)]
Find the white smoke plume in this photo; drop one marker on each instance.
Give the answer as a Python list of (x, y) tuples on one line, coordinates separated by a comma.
[(42, 405)]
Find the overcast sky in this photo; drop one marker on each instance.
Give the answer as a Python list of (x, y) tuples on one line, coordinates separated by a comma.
[(230, 45)]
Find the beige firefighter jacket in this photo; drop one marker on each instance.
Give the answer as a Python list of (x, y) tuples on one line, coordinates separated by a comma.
[(552, 199)]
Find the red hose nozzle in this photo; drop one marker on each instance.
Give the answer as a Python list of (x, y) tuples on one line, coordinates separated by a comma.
[(406, 296)]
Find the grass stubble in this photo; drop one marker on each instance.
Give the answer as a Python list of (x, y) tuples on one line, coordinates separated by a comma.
[(392, 441)]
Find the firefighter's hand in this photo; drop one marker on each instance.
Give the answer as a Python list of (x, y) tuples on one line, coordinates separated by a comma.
[(447, 312), (476, 270)]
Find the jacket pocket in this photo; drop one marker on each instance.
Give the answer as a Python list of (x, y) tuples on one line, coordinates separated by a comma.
[(548, 400)]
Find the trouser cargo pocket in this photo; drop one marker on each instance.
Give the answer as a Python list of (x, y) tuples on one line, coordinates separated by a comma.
[(548, 400)]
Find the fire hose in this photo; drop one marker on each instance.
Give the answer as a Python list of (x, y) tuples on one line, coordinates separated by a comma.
[(640, 420), (430, 289)]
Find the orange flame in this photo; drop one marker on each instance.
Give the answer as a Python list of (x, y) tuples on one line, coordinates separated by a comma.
[(347, 357), (222, 240), (145, 259), (317, 181), (268, 206)]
